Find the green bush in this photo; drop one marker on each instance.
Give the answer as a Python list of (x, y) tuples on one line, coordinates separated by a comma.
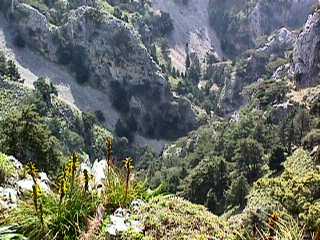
[(6, 168), (120, 189), (25, 136), (174, 218)]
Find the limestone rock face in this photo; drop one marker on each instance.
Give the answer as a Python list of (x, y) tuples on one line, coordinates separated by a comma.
[(229, 79), (108, 54), (248, 21), (267, 16), (34, 27), (280, 41), (306, 58)]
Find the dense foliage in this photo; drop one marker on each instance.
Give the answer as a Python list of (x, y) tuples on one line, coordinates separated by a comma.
[(250, 175)]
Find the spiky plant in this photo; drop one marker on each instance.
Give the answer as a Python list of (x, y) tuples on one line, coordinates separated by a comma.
[(118, 193), (279, 227), (128, 165), (8, 233), (109, 151), (36, 192), (59, 215)]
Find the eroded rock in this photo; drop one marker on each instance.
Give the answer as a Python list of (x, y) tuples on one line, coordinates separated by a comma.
[(306, 57)]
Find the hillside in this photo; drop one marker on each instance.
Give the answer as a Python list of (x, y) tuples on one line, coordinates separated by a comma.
[(192, 27), (140, 120)]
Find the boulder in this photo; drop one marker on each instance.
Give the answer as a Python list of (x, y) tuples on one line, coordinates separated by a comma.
[(121, 221), (25, 185), (8, 198), (98, 171), (280, 41)]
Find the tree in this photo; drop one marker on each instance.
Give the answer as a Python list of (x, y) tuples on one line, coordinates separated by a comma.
[(3, 64), (302, 123), (45, 90), (188, 61), (12, 72), (238, 191), (194, 69), (249, 158), (211, 202), (154, 53), (208, 174), (88, 123), (24, 135), (277, 158)]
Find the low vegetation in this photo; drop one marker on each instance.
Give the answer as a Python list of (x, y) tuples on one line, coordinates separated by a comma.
[(252, 175), (7, 169)]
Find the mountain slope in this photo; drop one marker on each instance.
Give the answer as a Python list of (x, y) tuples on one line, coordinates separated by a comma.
[(105, 55), (192, 27), (32, 66)]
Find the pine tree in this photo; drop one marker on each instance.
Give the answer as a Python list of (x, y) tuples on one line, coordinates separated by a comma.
[(12, 72), (45, 90), (249, 158), (188, 62), (277, 158), (3, 64), (238, 192)]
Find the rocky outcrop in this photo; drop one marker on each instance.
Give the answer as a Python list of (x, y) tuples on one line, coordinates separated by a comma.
[(121, 220), (240, 24), (280, 41), (16, 185), (306, 58), (228, 79), (191, 26), (106, 53), (291, 13)]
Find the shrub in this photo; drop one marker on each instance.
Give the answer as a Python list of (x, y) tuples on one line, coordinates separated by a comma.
[(312, 139), (174, 218), (6, 168), (56, 216), (123, 130), (3, 63), (121, 189), (79, 64), (100, 117)]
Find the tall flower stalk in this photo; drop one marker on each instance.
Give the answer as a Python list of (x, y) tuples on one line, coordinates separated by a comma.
[(109, 151), (36, 191), (128, 165)]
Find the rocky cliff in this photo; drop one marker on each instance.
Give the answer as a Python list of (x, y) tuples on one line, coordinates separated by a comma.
[(306, 57), (240, 24), (107, 54), (192, 27), (268, 61)]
